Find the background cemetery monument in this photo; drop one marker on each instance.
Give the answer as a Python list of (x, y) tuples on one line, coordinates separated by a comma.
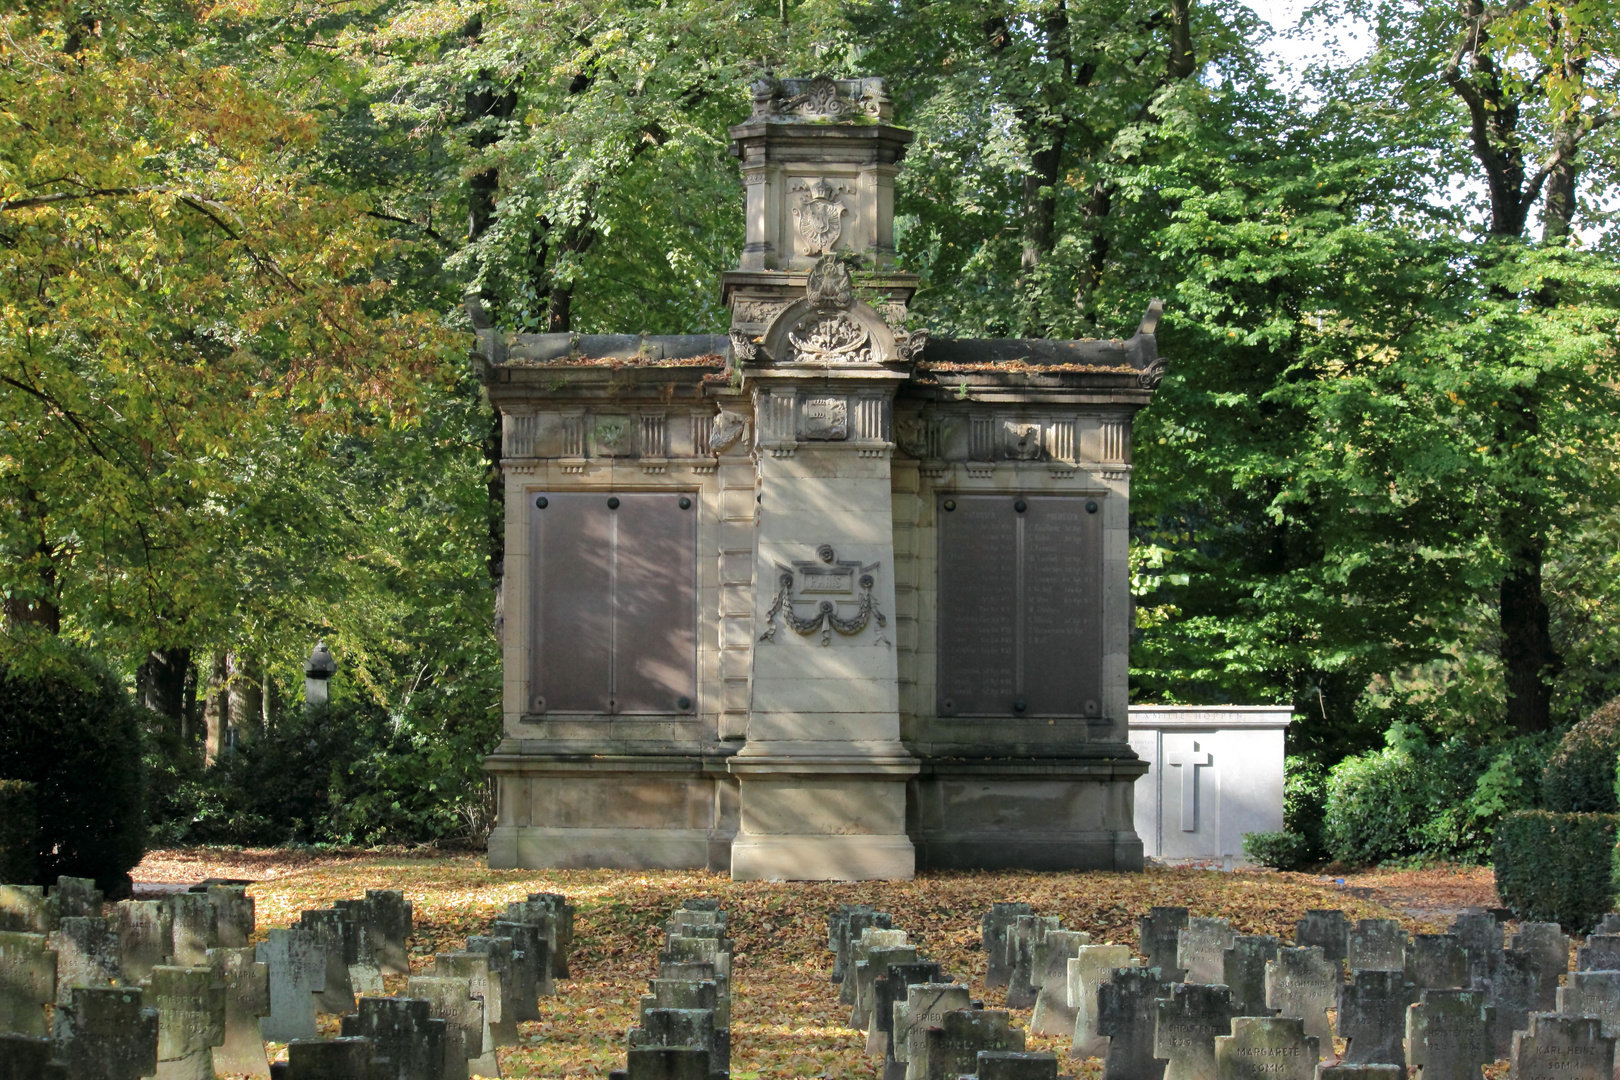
[(820, 598)]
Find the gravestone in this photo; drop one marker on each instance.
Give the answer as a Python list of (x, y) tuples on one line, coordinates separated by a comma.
[(338, 940), (296, 966), (1190, 1017), (1015, 1065), (1026, 935), (1052, 1015), (76, 898), (1481, 935), (542, 918), (685, 950), (993, 934), (871, 938), (520, 996), (451, 1000), (1327, 929), (191, 1021), (474, 967), (1302, 983), (1243, 969), (106, 1033), (952, 1049), (1127, 1016), (27, 983), (838, 932), (145, 932), (1346, 1071), (1448, 1035), (1600, 953), (1549, 945), (407, 1040), (664, 1063), (1595, 994), (925, 1007), (345, 1058), (1609, 924), (86, 954), (1266, 1048), (1372, 1017), (703, 973), (890, 988), (247, 997), (233, 915), (1437, 962), (1562, 1048), (28, 1057), (530, 942), (1091, 967), (1376, 945), (1201, 951), (1514, 992), (562, 912), (385, 915), (866, 972), (682, 994), (194, 924), (1158, 937), (683, 1027), (25, 910)]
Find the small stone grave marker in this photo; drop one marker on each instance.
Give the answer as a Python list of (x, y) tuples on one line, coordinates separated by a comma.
[(145, 932), (1091, 967), (1026, 935), (344, 1058), (867, 970), (952, 1049), (1302, 983), (28, 1057), (1600, 953), (247, 997), (76, 898), (1595, 994), (1202, 948), (191, 1021), (1244, 972), (451, 1000), (1437, 962), (844, 928), (1015, 1065), (993, 930), (1158, 936), (233, 915), (385, 918), (532, 951), (1562, 1048), (1549, 945), (890, 988), (664, 1063), (1266, 1048), (1327, 929), (925, 1007), (338, 940), (107, 1033), (682, 1027), (1481, 935), (194, 924), (1377, 945), (1127, 1016), (520, 997), (474, 967), (1448, 1035), (1052, 1015), (1514, 992), (296, 964), (1372, 1017), (1366, 1071), (24, 910), (27, 983), (1190, 1017), (407, 1040), (86, 954), (1609, 924), (871, 938)]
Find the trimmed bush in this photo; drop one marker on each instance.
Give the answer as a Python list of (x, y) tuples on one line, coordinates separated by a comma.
[(1279, 850), (77, 742), (1580, 774), (17, 833), (1557, 867), (1377, 805)]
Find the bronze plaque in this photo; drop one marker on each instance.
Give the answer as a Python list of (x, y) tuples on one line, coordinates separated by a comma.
[(615, 603), (1020, 606)]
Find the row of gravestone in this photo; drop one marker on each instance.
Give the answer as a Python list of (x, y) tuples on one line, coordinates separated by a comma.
[(683, 1031), (170, 987), (924, 1025)]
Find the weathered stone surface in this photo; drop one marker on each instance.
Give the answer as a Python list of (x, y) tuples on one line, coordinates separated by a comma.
[(1013, 1065), (194, 924), (844, 926), (519, 995), (1448, 1034), (1481, 935), (535, 910), (28, 1057), (1026, 935), (474, 967), (952, 1049), (1201, 951), (191, 1020), (346, 1058), (145, 933), (25, 910), (1127, 1016), (925, 1008), (1266, 1048), (665, 1063), (993, 934), (1595, 994), (451, 1000), (86, 954), (1091, 967), (703, 973), (1437, 962), (1600, 953), (684, 1027), (1304, 984), (685, 950), (338, 939), (297, 967), (871, 938), (1327, 929), (1515, 991), (1377, 945), (233, 915), (1243, 969), (888, 989), (1158, 938), (1190, 1017), (106, 1034), (877, 961), (1347, 1071), (1052, 1015), (407, 1040), (27, 983), (1549, 945), (1562, 1048), (76, 898), (385, 918), (246, 983), (1372, 1017)]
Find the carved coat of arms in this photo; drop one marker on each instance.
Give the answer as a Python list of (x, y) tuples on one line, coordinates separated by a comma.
[(829, 335), (819, 219)]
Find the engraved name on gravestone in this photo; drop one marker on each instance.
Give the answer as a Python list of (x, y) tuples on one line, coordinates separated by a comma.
[(1243, 969), (1302, 983), (1127, 1016), (1325, 928), (1448, 1034), (1593, 993), (925, 1008), (1189, 1019), (1372, 1017), (1159, 933), (1377, 945), (1201, 952), (1019, 589), (1266, 1048), (1562, 1048), (1090, 968), (952, 1048), (191, 1020), (1437, 962), (890, 989)]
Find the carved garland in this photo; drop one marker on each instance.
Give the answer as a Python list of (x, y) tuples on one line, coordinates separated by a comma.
[(826, 618)]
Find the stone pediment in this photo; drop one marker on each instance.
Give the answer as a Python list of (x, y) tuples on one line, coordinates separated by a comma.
[(828, 328)]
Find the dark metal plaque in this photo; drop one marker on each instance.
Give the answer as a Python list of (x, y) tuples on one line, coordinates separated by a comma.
[(615, 604), (1020, 606)]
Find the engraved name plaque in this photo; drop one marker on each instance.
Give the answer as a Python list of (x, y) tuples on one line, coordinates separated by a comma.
[(1020, 606), (615, 604)]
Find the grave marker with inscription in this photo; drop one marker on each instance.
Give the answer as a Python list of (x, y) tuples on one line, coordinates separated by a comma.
[(1562, 1048), (1302, 983), (1190, 1017), (1092, 966), (1448, 1035), (1266, 1048), (1127, 1016), (1372, 1017), (1243, 968), (1376, 945), (1595, 994), (1201, 951)]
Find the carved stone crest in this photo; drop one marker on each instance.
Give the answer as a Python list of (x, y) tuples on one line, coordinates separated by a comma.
[(837, 581), (828, 335), (911, 435), (728, 428), (826, 418), (1023, 441), (819, 219)]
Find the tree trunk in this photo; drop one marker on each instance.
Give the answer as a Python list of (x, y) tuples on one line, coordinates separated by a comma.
[(216, 713), (246, 700), (161, 682), (1041, 197), (1528, 655)]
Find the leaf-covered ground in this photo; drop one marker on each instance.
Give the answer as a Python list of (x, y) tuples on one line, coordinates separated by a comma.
[(786, 1019)]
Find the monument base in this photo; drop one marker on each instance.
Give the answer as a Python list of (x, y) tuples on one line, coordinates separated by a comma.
[(599, 849), (823, 858)]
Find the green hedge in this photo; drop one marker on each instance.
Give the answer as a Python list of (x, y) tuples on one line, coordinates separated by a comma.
[(1557, 867), (18, 833), (1580, 774)]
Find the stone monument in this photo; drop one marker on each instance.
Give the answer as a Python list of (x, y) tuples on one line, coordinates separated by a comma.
[(819, 598)]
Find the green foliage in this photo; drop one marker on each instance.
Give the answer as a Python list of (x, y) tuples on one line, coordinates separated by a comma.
[(1557, 867), (18, 833), (1580, 776), (74, 737), (1280, 850)]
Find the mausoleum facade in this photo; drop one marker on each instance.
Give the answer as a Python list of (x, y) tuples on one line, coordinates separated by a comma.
[(822, 597)]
